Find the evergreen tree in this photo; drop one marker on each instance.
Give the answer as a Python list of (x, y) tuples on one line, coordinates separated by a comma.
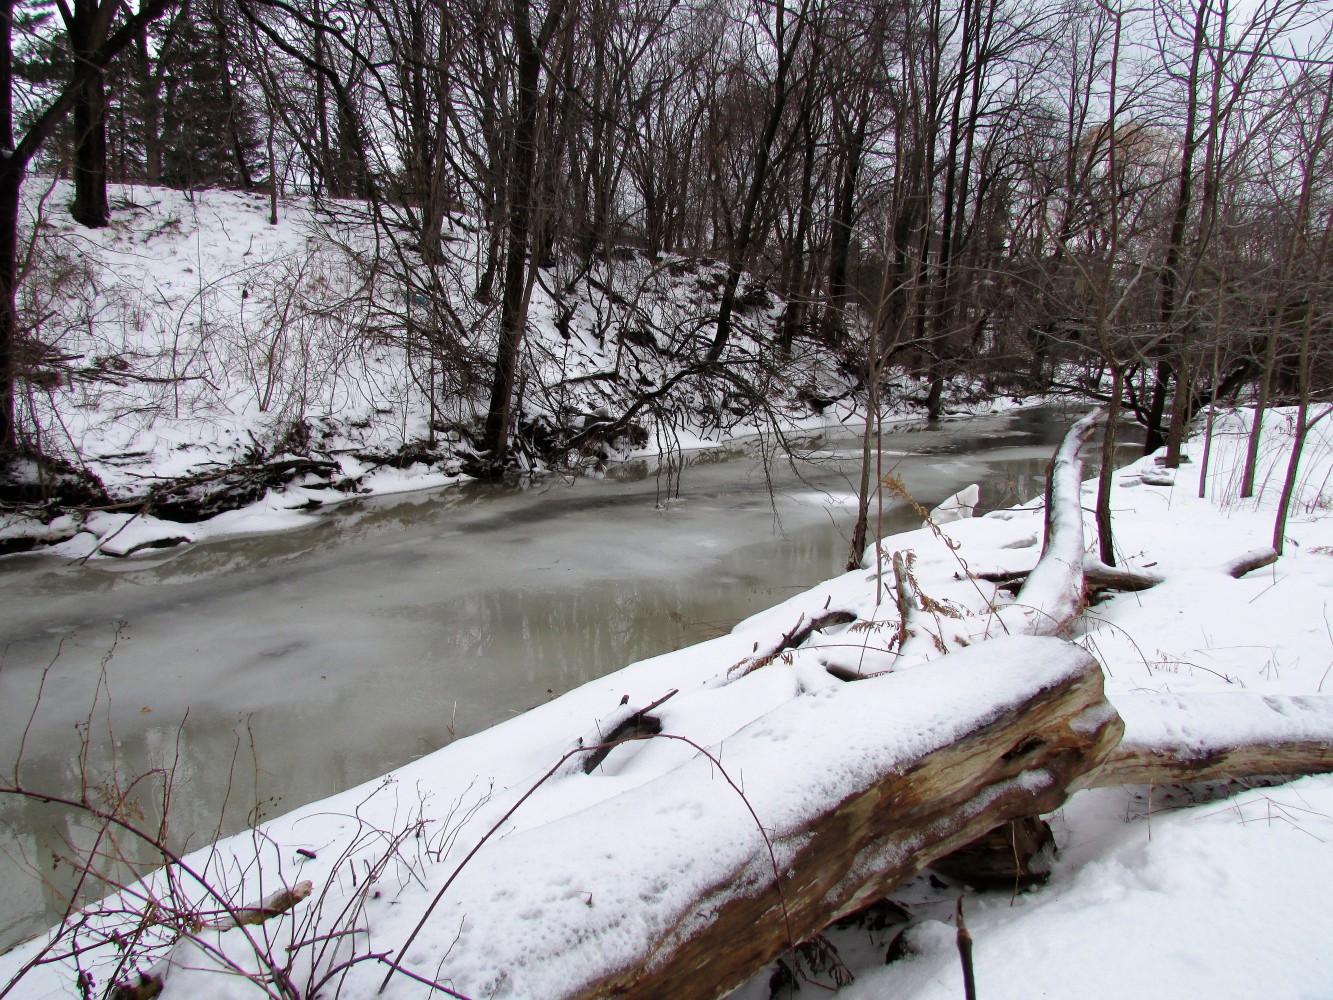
[(210, 136)]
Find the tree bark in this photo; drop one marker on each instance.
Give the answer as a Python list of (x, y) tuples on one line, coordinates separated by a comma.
[(11, 184), (14, 159), (87, 30), (91, 207)]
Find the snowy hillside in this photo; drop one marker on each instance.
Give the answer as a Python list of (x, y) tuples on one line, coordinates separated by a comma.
[(192, 355), (193, 360)]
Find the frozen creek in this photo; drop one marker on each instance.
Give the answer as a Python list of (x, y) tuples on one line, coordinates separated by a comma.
[(311, 660)]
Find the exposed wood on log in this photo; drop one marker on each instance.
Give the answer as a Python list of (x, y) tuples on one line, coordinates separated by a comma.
[(639, 723), (860, 848), (1250, 561), (623, 723), (1141, 765), (1251, 736), (1013, 855), (848, 675), (1096, 576), (817, 624), (1011, 580), (1099, 576)]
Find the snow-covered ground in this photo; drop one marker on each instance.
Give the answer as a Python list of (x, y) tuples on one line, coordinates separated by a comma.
[(1224, 899), (1150, 896)]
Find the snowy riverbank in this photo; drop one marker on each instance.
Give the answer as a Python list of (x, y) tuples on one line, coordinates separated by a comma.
[(1224, 899), (77, 534), (200, 372)]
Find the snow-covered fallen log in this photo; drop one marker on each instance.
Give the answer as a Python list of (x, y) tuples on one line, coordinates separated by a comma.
[(1219, 736), (688, 884), (1248, 562), (1099, 576), (1052, 595)]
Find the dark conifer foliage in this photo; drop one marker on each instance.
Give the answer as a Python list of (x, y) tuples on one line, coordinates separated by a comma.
[(210, 133)]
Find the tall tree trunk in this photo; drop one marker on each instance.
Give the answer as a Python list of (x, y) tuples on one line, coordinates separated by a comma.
[(1303, 425), (14, 159), (1172, 341), (1153, 438), (1105, 534), (91, 207), (150, 100), (11, 183), (844, 213), (793, 316), (739, 252), (1260, 405), (233, 101), (323, 176), (1299, 222), (513, 304), (864, 491)]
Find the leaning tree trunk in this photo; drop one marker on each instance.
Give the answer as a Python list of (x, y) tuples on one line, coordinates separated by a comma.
[(1105, 534), (763, 161), (1052, 595)]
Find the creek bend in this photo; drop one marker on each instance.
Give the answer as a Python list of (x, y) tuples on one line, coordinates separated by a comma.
[(275, 670)]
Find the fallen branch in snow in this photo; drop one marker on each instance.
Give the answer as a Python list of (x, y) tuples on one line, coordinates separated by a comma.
[(1248, 736), (1096, 576), (636, 723), (1099, 576), (1010, 580), (1248, 562), (273, 905), (799, 633)]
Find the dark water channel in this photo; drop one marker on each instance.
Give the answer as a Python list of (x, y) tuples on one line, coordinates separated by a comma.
[(274, 670)]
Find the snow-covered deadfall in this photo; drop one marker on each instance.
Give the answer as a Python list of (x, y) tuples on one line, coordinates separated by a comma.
[(1205, 900)]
